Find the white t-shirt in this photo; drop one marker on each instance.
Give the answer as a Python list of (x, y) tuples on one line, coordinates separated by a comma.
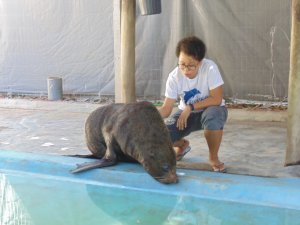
[(196, 89)]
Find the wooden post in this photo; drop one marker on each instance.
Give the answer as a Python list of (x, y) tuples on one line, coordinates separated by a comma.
[(117, 48), (127, 68), (293, 123)]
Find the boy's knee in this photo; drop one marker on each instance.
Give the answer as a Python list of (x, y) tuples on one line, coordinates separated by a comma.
[(214, 118)]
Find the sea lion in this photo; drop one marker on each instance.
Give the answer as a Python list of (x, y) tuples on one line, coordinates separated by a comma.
[(130, 132)]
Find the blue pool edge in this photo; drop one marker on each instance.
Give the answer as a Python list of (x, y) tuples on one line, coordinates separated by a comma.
[(271, 192)]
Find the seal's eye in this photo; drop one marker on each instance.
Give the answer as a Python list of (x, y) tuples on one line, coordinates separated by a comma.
[(165, 168)]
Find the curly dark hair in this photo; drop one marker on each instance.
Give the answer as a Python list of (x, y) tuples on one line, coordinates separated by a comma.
[(191, 46)]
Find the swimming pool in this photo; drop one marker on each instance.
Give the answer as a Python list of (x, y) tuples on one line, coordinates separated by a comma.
[(39, 190)]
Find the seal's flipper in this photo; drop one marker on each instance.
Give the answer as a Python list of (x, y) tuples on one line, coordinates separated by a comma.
[(93, 165), (109, 159), (90, 156)]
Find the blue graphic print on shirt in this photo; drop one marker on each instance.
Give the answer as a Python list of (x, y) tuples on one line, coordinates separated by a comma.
[(190, 94)]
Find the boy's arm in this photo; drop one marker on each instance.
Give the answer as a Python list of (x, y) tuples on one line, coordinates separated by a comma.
[(166, 109)]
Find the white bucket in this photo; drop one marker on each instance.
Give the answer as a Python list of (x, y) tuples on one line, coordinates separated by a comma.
[(55, 90)]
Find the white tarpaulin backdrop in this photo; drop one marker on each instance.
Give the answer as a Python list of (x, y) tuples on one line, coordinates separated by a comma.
[(76, 40)]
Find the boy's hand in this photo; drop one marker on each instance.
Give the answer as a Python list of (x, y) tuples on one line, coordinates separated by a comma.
[(182, 120)]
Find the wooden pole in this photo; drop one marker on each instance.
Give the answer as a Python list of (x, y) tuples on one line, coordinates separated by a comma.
[(117, 48), (127, 68), (293, 125)]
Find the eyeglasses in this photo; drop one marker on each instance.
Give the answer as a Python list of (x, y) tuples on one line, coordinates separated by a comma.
[(188, 67)]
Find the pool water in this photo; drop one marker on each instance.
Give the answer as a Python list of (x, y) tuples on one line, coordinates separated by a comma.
[(35, 200)]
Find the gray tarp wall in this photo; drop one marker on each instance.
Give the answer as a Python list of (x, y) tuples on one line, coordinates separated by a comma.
[(78, 40)]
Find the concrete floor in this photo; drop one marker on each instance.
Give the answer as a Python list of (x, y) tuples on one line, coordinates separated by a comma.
[(254, 142)]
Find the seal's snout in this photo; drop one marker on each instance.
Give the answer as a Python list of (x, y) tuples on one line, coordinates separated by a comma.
[(168, 178), (174, 178), (171, 179)]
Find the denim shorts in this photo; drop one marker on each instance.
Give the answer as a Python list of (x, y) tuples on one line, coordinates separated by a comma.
[(211, 118)]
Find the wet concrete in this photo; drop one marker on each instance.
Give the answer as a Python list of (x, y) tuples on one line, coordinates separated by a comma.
[(254, 142)]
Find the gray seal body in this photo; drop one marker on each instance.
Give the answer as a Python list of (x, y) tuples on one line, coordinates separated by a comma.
[(130, 132)]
